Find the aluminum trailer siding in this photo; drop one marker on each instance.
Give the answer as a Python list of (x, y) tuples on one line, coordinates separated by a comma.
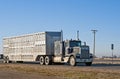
[(29, 47)]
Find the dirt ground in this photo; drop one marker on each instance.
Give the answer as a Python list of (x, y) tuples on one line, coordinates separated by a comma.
[(35, 71)]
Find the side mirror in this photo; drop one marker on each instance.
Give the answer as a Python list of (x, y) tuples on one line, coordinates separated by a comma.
[(91, 55)]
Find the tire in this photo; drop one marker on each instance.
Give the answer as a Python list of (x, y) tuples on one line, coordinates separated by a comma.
[(88, 64), (47, 60), (42, 60), (72, 61), (6, 59)]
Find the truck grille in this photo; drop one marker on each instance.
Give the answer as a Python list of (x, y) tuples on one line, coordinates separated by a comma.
[(84, 54)]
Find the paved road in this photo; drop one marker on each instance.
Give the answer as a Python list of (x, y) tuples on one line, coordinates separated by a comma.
[(94, 65)]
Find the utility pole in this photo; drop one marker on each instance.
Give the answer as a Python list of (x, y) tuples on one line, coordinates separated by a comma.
[(94, 32)]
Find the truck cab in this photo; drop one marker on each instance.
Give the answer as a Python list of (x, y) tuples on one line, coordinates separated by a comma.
[(73, 52)]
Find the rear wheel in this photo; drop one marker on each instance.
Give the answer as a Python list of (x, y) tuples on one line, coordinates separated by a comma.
[(88, 63), (47, 60), (72, 61), (42, 60)]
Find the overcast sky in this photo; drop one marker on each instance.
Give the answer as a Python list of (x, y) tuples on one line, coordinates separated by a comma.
[(19, 17)]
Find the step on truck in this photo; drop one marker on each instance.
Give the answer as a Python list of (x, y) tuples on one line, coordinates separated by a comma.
[(47, 48)]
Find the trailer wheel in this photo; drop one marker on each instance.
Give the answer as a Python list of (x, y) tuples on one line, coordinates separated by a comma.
[(72, 61), (47, 60), (6, 59), (42, 60)]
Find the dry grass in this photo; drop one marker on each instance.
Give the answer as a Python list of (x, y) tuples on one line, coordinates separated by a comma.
[(106, 61), (63, 72)]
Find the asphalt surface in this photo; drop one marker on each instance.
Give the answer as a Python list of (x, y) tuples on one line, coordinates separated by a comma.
[(102, 65)]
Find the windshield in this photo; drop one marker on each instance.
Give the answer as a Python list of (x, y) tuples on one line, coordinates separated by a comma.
[(75, 43)]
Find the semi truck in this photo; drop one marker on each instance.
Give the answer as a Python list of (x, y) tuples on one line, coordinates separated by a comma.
[(46, 48)]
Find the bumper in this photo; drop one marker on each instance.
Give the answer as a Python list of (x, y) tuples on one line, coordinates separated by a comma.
[(84, 60)]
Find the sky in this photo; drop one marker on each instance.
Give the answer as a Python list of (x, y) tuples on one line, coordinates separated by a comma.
[(18, 17)]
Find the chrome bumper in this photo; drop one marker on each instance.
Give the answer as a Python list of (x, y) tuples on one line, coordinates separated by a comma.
[(84, 60)]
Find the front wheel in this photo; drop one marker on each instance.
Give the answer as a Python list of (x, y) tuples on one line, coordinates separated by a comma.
[(72, 61)]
